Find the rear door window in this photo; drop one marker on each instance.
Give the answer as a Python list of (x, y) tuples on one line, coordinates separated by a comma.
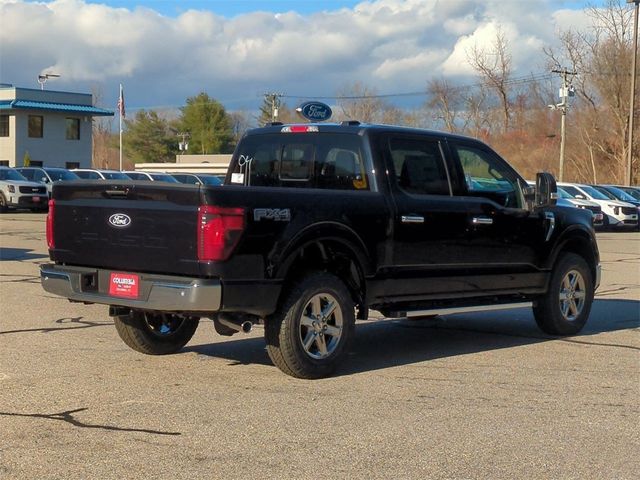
[(419, 166)]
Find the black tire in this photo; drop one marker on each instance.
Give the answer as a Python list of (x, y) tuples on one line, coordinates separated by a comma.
[(155, 333), (3, 204), (312, 348), (565, 308)]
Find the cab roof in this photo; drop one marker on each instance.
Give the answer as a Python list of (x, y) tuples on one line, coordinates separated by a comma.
[(349, 126)]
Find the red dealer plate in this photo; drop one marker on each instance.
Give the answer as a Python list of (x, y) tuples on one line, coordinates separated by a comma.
[(124, 285), (35, 199)]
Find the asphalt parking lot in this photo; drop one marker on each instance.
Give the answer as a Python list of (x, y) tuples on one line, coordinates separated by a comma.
[(467, 396)]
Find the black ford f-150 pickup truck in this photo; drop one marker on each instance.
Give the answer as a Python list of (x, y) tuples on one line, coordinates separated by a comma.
[(314, 225)]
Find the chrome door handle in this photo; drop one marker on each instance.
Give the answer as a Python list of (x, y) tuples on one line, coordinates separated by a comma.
[(482, 221), (412, 219)]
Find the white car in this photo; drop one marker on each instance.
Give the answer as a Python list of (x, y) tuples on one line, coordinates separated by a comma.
[(596, 210), (617, 214), (18, 192)]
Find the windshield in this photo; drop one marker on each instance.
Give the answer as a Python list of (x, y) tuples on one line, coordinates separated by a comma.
[(622, 195), (631, 192), (115, 175), (563, 194), (10, 174), (571, 191), (163, 177), (606, 193), (593, 193), (57, 175)]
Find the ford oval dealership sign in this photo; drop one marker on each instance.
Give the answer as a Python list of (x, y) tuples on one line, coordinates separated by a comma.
[(315, 111)]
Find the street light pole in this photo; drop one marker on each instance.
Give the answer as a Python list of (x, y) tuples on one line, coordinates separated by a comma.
[(634, 56), (42, 78)]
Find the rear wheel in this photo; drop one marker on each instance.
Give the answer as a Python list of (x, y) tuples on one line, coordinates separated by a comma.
[(310, 334), (155, 333), (565, 308)]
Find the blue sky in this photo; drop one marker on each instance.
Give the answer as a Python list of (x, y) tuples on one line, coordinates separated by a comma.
[(231, 8), (235, 52)]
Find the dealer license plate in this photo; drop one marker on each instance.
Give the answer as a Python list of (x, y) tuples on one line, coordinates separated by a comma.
[(124, 285), (35, 199)]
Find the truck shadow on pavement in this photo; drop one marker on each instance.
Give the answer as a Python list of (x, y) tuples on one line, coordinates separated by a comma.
[(20, 254), (389, 343)]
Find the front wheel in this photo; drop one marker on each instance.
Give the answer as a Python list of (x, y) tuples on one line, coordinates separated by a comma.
[(155, 333), (311, 332), (3, 203), (565, 308)]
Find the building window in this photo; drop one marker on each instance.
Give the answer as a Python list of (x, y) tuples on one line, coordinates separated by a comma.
[(4, 163), (73, 129), (35, 126), (4, 125), (70, 165)]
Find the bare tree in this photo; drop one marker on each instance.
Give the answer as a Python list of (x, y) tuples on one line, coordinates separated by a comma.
[(444, 103), (601, 55), (493, 64), (360, 102)]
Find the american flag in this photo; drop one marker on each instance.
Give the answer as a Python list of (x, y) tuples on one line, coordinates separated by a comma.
[(121, 103)]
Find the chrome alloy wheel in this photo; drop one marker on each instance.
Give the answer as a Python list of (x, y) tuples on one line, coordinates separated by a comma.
[(572, 295), (321, 326)]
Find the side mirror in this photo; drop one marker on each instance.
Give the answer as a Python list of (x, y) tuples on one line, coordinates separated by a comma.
[(546, 190), (45, 179)]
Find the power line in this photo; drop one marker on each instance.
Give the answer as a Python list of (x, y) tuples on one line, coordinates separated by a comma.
[(514, 81), (532, 78)]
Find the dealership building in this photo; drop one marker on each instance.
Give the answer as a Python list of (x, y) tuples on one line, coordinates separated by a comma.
[(52, 129)]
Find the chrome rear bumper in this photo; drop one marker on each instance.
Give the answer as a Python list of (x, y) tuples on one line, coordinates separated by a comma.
[(156, 292)]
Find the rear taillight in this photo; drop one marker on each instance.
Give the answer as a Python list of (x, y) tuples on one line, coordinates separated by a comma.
[(219, 230), (50, 240)]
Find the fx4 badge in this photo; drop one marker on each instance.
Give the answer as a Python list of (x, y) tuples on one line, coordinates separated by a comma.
[(275, 214)]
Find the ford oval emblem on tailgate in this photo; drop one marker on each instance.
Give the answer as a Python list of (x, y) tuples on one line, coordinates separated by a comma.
[(120, 220)]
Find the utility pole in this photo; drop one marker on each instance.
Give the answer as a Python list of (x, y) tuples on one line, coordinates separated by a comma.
[(565, 92), (634, 55), (274, 101)]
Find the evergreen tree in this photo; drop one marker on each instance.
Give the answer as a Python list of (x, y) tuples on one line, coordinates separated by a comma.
[(208, 124), (149, 139)]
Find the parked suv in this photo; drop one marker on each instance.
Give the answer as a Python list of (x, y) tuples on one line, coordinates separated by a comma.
[(593, 207), (617, 214), (197, 178), (47, 175), (18, 192)]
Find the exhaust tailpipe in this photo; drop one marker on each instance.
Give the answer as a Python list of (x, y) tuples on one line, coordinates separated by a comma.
[(244, 327)]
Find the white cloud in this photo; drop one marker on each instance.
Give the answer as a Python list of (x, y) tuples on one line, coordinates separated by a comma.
[(390, 45)]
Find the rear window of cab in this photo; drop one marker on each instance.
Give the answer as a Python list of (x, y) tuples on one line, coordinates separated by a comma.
[(309, 160)]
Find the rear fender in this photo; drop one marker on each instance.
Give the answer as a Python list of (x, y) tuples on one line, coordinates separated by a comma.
[(319, 234)]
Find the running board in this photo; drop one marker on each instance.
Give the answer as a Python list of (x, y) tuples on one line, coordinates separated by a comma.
[(478, 308)]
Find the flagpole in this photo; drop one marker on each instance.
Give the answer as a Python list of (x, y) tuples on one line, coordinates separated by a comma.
[(120, 114)]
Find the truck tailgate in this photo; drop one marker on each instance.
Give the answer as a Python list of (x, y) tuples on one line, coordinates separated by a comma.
[(130, 226)]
